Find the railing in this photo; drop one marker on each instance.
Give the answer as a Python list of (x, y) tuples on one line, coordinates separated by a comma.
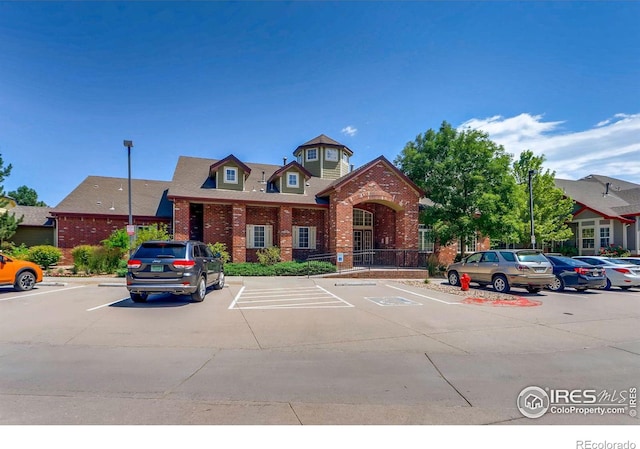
[(374, 259)]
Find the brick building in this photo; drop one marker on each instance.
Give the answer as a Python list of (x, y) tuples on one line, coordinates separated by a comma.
[(314, 204)]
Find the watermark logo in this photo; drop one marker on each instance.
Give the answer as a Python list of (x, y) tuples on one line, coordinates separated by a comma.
[(534, 402)]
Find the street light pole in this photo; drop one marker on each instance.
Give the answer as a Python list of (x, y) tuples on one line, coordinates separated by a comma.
[(129, 144), (533, 235)]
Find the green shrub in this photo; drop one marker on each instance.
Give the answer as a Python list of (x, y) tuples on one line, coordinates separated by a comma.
[(104, 260), (17, 252), (44, 255), (118, 239), (156, 231), (269, 256), (614, 251), (279, 269), (81, 255), (220, 248)]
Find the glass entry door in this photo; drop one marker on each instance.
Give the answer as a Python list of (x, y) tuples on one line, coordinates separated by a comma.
[(362, 245)]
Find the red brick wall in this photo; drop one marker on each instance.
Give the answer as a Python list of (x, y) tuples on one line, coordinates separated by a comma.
[(181, 215), (378, 184), (312, 217), (218, 227), (75, 231)]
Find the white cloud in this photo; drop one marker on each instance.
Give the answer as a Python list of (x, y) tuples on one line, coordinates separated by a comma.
[(610, 148), (349, 131)]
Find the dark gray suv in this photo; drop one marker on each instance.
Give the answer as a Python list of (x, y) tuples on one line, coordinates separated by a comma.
[(173, 266)]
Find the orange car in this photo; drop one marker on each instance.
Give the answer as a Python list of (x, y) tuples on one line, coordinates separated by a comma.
[(21, 274)]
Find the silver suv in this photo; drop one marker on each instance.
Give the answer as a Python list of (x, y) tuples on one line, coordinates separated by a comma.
[(173, 266), (504, 268)]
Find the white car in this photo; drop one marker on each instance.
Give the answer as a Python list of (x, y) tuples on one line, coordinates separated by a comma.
[(619, 273), (633, 260)]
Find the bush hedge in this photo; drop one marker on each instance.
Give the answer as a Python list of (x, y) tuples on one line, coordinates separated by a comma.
[(279, 269), (44, 255)]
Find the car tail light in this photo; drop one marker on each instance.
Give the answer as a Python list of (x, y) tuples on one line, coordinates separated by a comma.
[(581, 270), (522, 267), (134, 263), (184, 263), (622, 270)]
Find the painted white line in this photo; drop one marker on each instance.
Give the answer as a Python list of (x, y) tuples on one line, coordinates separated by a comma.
[(297, 295), (424, 296), (235, 300), (107, 305), (253, 301), (329, 293), (40, 293), (311, 305)]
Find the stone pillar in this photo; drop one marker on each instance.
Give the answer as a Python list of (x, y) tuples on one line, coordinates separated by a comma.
[(342, 232), (285, 219), (239, 233)]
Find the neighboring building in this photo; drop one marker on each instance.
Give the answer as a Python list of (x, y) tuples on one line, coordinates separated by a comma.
[(100, 205), (37, 226), (607, 211), (316, 204)]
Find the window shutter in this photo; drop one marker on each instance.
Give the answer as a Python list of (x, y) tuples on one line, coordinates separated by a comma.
[(296, 236), (250, 242), (312, 237), (268, 236)]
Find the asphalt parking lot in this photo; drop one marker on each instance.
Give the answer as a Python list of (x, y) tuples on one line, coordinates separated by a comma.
[(310, 351)]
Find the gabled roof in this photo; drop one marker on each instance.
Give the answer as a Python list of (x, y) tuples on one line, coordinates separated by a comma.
[(33, 215), (231, 158), (323, 141), (293, 164), (610, 197), (381, 159), (190, 180), (101, 195)]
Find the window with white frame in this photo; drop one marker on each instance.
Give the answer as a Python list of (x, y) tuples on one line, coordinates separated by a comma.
[(605, 236), (259, 236), (304, 237), (471, 246), (587, 236), (427, 239), (293, 179), (231, 175), (362, 218), (312, 154)]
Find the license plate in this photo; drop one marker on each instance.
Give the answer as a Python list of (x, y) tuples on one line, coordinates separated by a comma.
[(540, 270), (157, 268)]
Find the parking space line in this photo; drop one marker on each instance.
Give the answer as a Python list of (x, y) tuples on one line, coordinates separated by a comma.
[(40, 293), (424, 296), (283, 298), (107, 305)]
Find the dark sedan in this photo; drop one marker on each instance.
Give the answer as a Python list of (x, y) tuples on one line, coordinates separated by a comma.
[(573, 273)]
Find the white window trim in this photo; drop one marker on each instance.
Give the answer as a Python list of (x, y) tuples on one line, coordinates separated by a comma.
[(297, 176), (268, 236), (326, 155), (235, 173), (296, 237), (307, 154)]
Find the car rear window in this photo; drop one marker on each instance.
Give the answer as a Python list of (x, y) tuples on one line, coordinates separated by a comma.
[(530, 256), (161, 250)]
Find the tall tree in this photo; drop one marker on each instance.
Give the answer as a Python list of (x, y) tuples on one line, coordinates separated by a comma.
[(468, 178), (552, 211), (26, 196), (8, 221)]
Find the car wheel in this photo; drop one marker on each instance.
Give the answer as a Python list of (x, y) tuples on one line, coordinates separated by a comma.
[(500, 284), (533, 289), (25, 281), (454, 279), (139, 297), (608, 285), (557, 285), (201, 291), (220, 284)]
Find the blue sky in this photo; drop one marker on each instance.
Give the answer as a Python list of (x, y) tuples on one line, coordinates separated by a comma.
[(209, 79)]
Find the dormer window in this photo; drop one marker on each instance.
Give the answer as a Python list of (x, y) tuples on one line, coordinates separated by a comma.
[(293, 179), (231, 175), (312, 154)]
